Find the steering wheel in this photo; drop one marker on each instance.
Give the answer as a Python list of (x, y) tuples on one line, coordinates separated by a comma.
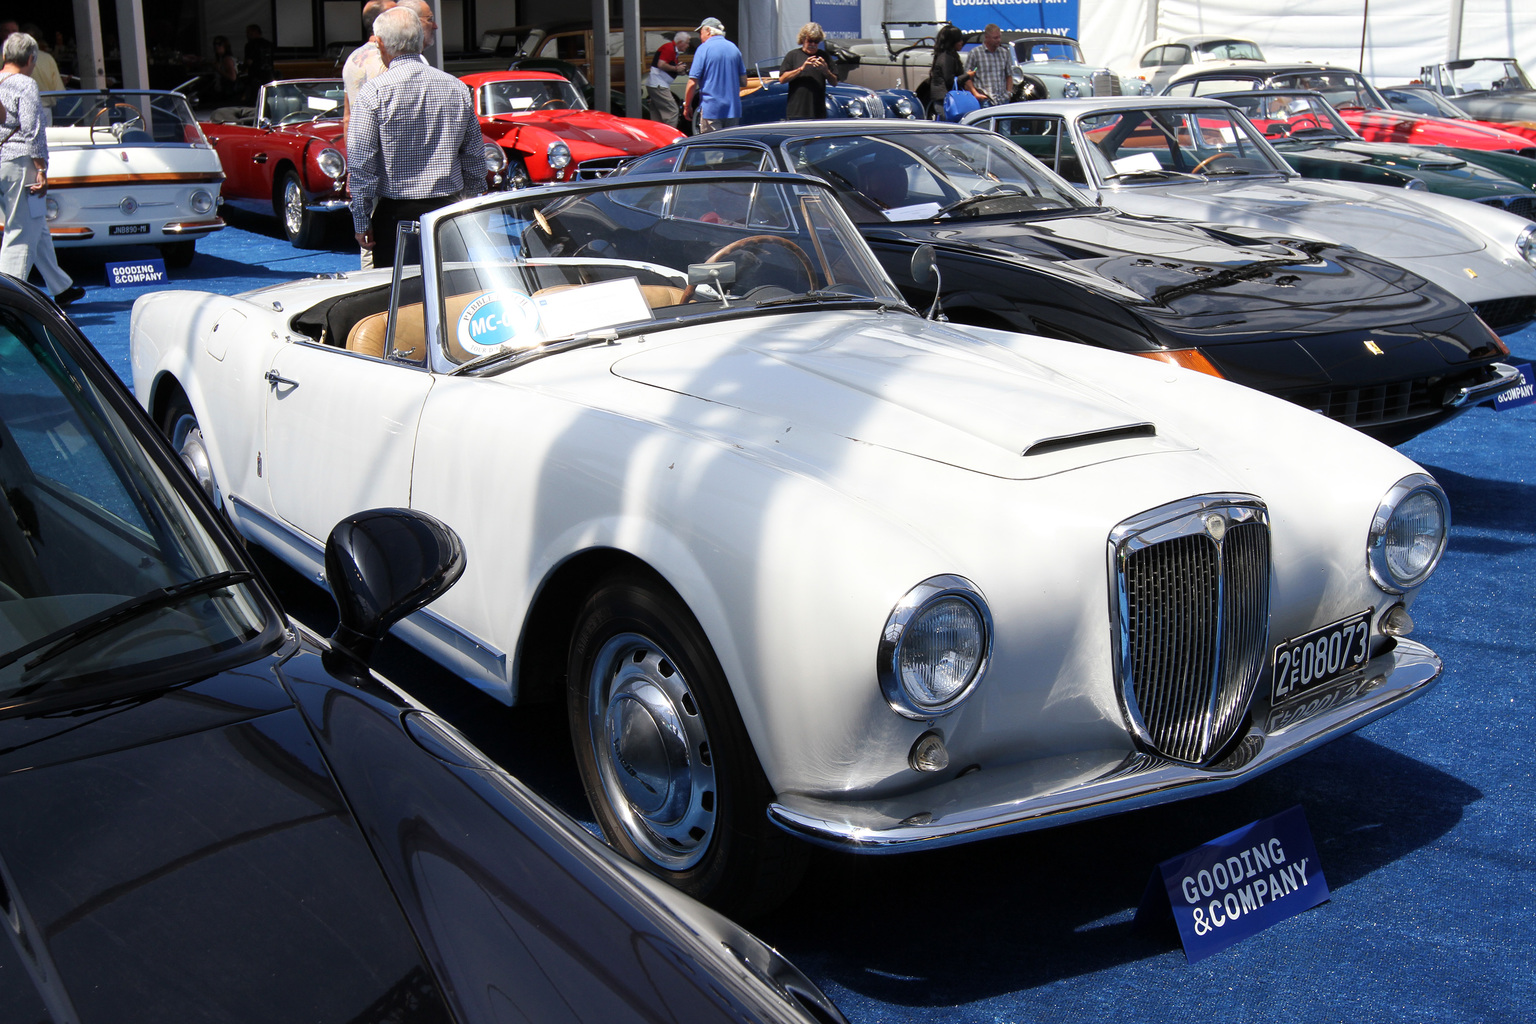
[(759, 240), (553, 103), (106, 110), (295, 116), (1303, 122), (1209, 160)]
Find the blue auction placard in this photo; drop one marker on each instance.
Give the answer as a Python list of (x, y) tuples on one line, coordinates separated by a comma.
[(1522, 394), (136, 272), (839, 19), (1241, 883), (1058, 17)]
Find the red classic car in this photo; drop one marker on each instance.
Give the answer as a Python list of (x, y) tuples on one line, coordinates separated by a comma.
[(1357, 101), (546, 129), (287, 156)]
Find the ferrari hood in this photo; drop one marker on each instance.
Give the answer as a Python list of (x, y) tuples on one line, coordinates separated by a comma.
[(903, 384), (1180, 268), (588, 133), (1369, 218)]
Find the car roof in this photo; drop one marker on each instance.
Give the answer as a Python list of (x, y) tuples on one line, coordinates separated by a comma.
[(778, 131), (1095, 104), (1264, 69)]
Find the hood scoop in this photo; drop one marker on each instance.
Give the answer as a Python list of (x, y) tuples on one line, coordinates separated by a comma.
[(1046, 446)]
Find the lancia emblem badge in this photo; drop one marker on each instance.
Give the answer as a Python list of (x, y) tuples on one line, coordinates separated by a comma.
[(1373, 348), (1216, 526), (128, 205)]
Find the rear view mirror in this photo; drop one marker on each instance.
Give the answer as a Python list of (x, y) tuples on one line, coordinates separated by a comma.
[(925, 264)]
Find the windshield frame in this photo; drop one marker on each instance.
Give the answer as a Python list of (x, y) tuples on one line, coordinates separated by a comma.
[(1337, 126), (1101, 172), (569, 92), (263, 115), (172, 104), (436, 224)]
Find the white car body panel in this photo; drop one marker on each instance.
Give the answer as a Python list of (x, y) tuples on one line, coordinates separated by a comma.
[(1465, 247), (791, 476)]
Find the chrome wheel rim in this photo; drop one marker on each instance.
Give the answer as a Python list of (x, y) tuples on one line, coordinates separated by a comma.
[(293, 207), (652, 751), (187, 440)]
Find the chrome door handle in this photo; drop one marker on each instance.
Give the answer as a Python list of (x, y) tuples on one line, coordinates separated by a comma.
[(278, 380), (260, 158)]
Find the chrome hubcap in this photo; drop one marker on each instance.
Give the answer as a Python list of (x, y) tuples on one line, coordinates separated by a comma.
[(652, 751), (187, 440), (293, 206)]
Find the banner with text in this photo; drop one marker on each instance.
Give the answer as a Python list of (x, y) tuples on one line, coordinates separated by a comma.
[(839, 19), (1240, 884), (1058, 17), (1522, 394)]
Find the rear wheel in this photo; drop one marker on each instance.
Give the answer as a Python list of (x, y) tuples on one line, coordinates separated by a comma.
[(182, 429), (665, 759), (301, 227)]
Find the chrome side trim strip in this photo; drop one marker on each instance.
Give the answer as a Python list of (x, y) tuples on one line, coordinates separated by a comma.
[(1035, 795), (481, 664)]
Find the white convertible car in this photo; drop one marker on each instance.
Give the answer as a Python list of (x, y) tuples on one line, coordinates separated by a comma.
[(801, 562), (130, 168), (1202, 160)]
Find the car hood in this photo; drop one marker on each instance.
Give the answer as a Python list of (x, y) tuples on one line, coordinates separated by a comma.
[(1405, 126), (1366, 217), (1180, 268), (1391, 154), (904, 384), (591, 131)]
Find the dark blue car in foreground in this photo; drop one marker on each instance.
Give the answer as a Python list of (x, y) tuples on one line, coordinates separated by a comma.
[(209, 814)]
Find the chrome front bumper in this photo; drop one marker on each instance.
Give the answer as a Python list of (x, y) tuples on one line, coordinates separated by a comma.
[(1056, 791), (1505, 377)]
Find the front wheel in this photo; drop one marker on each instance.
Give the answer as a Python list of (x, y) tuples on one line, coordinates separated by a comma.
[(301, 227), (665, 759)]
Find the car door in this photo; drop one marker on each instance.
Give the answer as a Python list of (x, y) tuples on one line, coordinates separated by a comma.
[(340, 433)]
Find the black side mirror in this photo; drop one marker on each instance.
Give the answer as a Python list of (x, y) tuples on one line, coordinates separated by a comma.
[(925, 270), (382, 565)]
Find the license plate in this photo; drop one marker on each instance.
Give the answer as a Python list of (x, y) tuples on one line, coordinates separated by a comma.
[(1322, 655), (128, 229)]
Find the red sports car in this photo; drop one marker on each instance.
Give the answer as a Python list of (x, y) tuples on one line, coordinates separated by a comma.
[(1357, 101), (287, 156), (547, 130)]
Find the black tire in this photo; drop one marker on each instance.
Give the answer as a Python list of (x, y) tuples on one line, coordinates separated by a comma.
[(178, 255), (1029, 88), (666, 762), (302, 228)]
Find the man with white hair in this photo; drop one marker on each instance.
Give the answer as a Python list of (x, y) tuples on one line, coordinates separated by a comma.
[(413, 142), (665, 67), (423, 12), (363, 65), (715, 79)]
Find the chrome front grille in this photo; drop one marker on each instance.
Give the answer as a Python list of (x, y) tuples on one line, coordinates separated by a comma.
[(1104, 83), (1523, 205), (1191, 611)]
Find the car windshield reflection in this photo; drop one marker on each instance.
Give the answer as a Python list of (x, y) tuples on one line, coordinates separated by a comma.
[(297, 102), (1127, 146), (1281, 115), (527, 95), (519, 275), (105, 573), (121, 118)]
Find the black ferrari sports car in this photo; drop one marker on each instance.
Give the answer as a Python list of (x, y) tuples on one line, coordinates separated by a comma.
[(209, 814), (1017, 247)]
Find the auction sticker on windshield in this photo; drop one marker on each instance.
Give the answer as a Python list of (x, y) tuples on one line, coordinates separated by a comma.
[(1322, 655), (497, 318)]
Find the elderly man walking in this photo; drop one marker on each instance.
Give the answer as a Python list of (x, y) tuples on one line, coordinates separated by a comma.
[(665, 67), (715, 79), (413, 142), (363, 65)]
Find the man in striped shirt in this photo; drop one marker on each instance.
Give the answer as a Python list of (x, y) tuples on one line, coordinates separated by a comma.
[(992, 65), (413, 143)]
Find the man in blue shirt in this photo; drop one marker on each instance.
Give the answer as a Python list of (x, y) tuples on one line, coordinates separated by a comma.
[(715, 79)]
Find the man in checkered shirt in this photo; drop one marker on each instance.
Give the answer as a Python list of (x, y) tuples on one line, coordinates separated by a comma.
[(413, 143), (992, 64)]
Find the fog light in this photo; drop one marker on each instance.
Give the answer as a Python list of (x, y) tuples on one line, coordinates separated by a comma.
[(1397, 621), (928, 753), (52, 206)]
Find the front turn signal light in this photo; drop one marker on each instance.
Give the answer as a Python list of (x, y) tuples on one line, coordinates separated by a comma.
[(1189, 358)]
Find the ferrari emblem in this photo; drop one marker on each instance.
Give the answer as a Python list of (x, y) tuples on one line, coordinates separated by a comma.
[(1469, 271), (1374, 349)]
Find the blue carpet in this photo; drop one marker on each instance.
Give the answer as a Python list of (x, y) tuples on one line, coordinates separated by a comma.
[(1423, 821)]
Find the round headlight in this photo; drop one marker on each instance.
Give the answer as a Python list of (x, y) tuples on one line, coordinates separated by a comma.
[(905, 107), (1526, 243), (202, 201), (1072, 90), (52, 206), (495, 158), (857, 108), (935, 647), (331, 163), (1416, 185), (1146, 88), (559, 155), (1408, 534)]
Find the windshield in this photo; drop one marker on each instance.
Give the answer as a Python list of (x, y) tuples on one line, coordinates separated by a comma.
[(520, 97), (1228, 49), (1037, 50), (1344, 89), (1301, 115), (1132, 145), (1488, 75), (1422, 101), (105, 574), (921, 175), (121, 119), (517, 274), (294, 102)]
